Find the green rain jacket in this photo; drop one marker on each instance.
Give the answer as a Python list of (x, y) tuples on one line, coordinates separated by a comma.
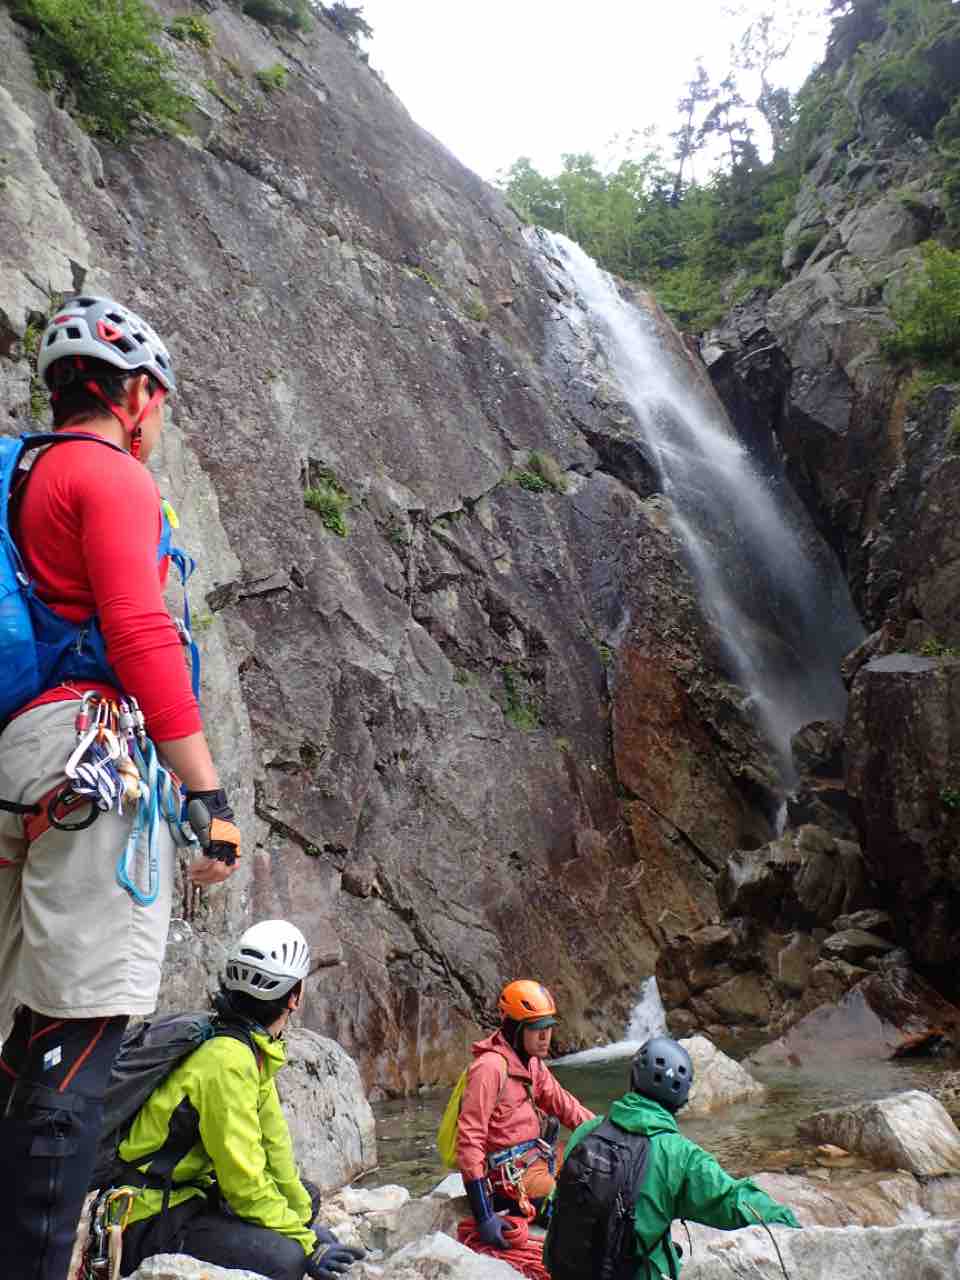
[(682, 1181), (244, 1142)]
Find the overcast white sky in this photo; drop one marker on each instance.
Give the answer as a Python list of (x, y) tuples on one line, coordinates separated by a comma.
[(498, 79)]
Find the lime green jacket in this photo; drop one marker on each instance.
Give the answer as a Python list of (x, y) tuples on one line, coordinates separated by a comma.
[(682, 1181), (244, 1142)]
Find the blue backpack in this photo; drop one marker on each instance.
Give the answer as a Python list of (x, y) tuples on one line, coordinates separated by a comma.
[(38, 648)]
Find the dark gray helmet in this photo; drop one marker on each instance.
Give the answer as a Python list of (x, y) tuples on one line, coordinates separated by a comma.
[(662, 1070)]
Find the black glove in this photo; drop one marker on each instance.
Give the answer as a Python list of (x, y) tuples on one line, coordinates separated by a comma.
[(329, 1262), (324, 1236), (211, 818)]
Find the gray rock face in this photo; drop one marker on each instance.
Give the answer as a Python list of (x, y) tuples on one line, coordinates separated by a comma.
[(177, 1266), (821, 1253), (854, 945), (414, 720), (902, 752), (910, 1131), (331, 1122)]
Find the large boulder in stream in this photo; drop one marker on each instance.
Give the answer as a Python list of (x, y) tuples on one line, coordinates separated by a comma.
[(331, 1121), (909, 1131), (718, 1079)]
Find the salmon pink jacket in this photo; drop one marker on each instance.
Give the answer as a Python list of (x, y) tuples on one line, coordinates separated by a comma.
[(497, 1112)]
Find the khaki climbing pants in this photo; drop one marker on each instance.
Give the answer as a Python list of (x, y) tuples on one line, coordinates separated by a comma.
[(73, 943)]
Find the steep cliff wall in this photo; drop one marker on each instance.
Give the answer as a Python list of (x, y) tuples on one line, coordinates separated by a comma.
[(415, 719)]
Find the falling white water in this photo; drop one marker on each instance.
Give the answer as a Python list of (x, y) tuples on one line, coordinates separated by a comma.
[(647, 1019), (770, 588)]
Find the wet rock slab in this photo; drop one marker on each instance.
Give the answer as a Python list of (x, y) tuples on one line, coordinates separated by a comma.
[(823, 1253), (909, 1131), (874, 1019)]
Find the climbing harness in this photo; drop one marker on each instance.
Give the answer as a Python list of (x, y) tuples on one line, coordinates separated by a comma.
[(508, 1166), (108, 1219)]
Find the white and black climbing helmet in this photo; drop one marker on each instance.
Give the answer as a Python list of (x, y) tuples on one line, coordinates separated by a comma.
[(104, 330), (268, 960)]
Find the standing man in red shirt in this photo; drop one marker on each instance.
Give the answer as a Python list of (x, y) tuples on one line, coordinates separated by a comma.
[(84, 910)]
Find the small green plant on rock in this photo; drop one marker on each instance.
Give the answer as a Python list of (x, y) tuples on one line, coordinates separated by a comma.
[(953, 431), (478, 311), (274, 79), (326, 497), (215, 91), (191, 28), (531, 481), (950, 798), (934, 648), (520, 704), (101, 56), (928, 314)]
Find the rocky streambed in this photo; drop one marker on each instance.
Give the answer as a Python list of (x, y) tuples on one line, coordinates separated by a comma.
[(874, 1179)]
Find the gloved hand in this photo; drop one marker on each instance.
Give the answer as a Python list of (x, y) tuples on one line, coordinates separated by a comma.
[(491, 1232), (329, 1262), (211, 818), (324, 1236), (489, 1225)]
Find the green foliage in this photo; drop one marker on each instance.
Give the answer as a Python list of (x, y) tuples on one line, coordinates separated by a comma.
[(329, 500), (193, 29), (292, 15), (427, 278), (463, 677), (521, 705), (477, 311), (923, 381), (934, 648), (531, 481), (928, 313), (274, 79), (950, 798), (548, 469), (103, 57)]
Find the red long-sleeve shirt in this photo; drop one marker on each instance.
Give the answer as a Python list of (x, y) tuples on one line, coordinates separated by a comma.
[(88, 527)]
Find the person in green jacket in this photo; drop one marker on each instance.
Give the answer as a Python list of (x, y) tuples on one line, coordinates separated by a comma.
[(681, 1180), (215, 1129)]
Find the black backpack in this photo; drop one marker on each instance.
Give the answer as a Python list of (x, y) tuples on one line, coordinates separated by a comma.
[(591, 1234), (148, 1053)]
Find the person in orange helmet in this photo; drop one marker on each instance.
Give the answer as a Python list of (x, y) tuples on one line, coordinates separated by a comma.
[(510, 1101)]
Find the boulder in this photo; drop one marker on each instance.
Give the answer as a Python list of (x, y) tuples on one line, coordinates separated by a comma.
[(854, 945), (385, 1219), (824, 1253), (806, 877), (177, 1266), (872, 1020), (436, 1257), (331, 1121), (794, 963), (909, 1131), (718, 1080), (872, 920), (817, 749)]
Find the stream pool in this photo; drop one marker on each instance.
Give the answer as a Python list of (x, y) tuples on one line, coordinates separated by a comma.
[(746, 1138)]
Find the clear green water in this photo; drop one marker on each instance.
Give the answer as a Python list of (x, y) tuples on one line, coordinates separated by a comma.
[(746, 1138)]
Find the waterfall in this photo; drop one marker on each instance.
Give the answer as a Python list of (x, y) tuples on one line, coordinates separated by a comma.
[(769, 587), (647, 1019)]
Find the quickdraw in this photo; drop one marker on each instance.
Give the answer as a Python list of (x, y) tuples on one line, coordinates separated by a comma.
[(114, 764), (108, 1219), (508, 1167)]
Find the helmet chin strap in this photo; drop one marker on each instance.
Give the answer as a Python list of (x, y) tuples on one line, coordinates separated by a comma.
[(131, 425)]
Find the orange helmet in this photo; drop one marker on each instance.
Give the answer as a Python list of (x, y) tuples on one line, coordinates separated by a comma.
[(528, 1002)]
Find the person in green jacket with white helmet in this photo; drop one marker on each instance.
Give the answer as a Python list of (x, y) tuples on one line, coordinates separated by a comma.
[(214, 1127), (681, 1180)]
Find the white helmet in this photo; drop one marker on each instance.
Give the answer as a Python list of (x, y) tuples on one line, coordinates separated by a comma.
[(268, 960), (103, 329)]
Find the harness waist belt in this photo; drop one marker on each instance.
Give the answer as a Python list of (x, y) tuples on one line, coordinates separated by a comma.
[(498, 1158)]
